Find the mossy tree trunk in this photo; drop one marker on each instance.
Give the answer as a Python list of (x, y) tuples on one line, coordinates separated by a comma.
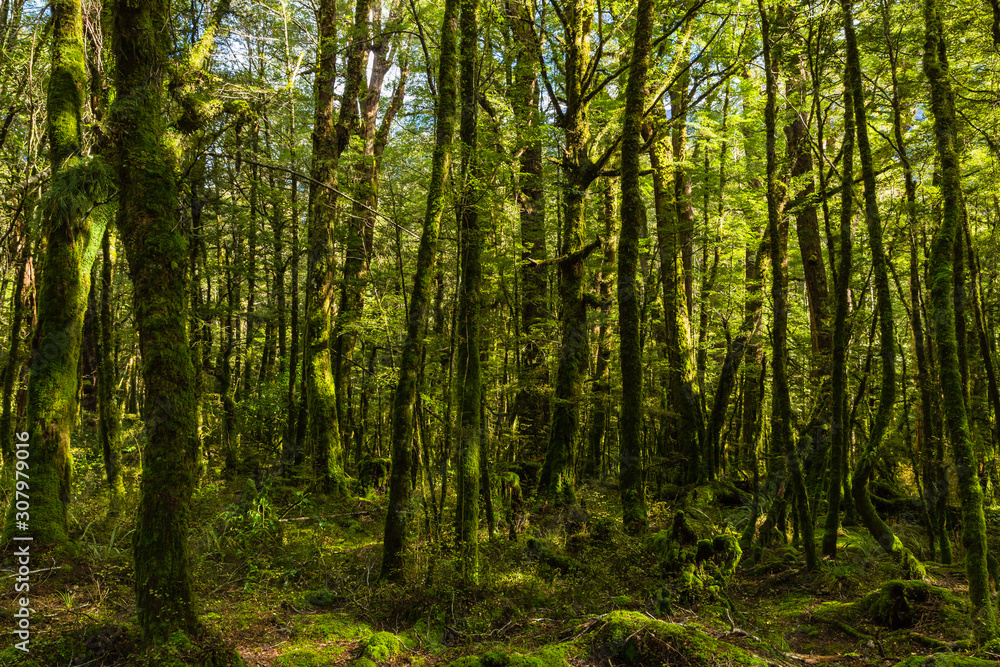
[(737, 349), (399, 511), (360, 228), (839, 428), (110, 419), (781, 407), (929, 428), (883, 303), (813, 441), (935, 63), (594, 464), (579, 170), (633, 212), (709, 277), (291, 444), (230, 434), (469, 372), (329, 142), (71, 237), (682, 380), (531, 404), (675, 230), (157, 255), (23, 313)]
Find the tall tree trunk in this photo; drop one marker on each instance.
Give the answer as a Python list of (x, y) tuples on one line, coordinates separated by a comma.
[(594, 465), (579, 170), (470, 383), (929, 427), (633, 211), (23, 313), (887, 342), (360, 228), (329, 142), (72, 240), (399, 510), (157, 256), (781, 408), (110, 420), (839, 428), (531, 404), (683, 380), (970, 493)]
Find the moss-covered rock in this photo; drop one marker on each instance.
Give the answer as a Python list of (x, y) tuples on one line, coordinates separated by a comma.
[(321, 599), (693, 566), (381, 646), (547, 554), (550, 656), (900, 604), (309, 656), (631, 638)]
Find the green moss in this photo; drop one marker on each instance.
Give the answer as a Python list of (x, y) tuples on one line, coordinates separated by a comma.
[(321, 599), (727, 554), (635, 639), (898, 603), (549, 656), (333, 627), (381, 646), (307, 656)]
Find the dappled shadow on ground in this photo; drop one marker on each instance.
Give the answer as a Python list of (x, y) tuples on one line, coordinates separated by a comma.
[(291, 580)]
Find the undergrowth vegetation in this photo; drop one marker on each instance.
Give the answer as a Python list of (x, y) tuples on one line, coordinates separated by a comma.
[(291, 580)]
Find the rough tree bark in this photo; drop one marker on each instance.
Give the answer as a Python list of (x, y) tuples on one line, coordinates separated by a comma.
[(839, 428), (935, 62), (157, 256), (110, 419), (469, 371), (531, 404), (633, 215), (399, 511), (329, 142), (883, 302), (71, 235), (781, 408)]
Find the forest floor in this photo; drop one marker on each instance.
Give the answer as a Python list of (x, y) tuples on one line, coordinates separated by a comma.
[(293, 582)]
